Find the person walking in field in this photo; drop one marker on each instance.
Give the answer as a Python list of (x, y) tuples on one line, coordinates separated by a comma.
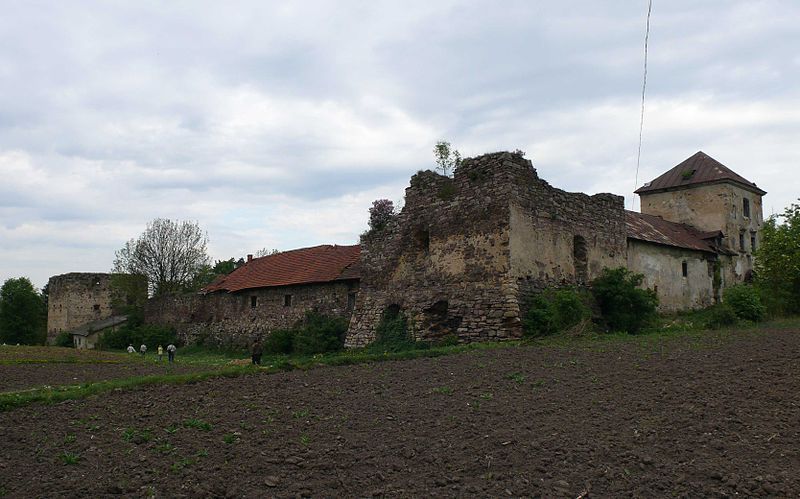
[(143, 349), (257, 349), (171, 352), (160, 352), (131, 349)]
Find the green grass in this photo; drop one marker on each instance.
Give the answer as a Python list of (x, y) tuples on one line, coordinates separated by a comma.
[(198, 424), (70, 457)]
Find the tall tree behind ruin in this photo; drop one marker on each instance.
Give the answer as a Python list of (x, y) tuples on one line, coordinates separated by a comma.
[(169, 253)]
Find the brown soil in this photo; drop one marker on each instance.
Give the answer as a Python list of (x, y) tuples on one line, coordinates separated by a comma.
[(617, 421)]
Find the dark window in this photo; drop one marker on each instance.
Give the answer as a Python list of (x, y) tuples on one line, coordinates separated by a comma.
[(253, 301), (753, 243), (741, 241), (96, 308), (351, 301), (580, 258), (685, 268), (746, 207), (287, 300)]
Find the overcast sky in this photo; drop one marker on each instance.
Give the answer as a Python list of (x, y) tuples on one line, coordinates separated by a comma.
[(275, 124)]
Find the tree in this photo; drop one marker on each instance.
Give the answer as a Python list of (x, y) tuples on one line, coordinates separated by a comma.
[(447, 158), (169, 253), (381, 212), (22, 313), (777, 262)]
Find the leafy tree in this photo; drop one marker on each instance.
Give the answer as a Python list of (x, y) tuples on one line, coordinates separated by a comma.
[(447, 158), (745, 300), (778, 262), (623, 305), (22, 313), (380, 214), (206, 273), (169, 253)]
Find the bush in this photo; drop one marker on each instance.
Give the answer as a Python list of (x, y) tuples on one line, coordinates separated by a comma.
[(319, 334), (137, 334), (745, 302), (554, 311), (64, 340), (623, 305), (391, 334), (279, 342), (720, 316)]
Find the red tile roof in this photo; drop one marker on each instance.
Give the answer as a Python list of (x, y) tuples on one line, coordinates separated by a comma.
[(324, 263), (698, 169), (653, 229)]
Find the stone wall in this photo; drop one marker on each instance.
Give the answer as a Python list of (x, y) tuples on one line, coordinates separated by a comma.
[(464, 252), (78, 298), (232, 319), (663, 266)]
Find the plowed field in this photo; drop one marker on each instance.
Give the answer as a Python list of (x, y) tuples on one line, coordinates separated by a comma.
[(613, 419)]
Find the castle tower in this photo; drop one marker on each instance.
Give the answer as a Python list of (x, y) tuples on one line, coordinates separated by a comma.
[(704, 193)]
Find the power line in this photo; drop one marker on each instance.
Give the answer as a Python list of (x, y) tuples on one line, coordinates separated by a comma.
[(644, 87)]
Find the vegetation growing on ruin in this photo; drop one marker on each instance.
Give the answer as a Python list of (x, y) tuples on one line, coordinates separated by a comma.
[(623, 305), (777, 262), (554, 311)]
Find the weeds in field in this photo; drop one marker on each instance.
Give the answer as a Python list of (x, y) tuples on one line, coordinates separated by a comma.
[(487, 396), (165, 448), (538, 383), (198, 424), (69, 458), (302, 414), (231, 438), (443, 390), (182, 463), (171, 429), (517, 378), (201, 453), (137, 436), (305, 439), (68, 439)]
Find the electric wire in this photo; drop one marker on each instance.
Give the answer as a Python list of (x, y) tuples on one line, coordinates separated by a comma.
[(644, 88)]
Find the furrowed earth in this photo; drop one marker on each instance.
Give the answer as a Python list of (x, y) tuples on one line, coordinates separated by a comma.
[(711, 415)]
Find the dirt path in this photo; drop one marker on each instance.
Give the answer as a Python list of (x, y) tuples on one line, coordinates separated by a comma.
[(523, 421)]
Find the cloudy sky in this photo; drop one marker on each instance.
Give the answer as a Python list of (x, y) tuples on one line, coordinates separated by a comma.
[(275, 124)]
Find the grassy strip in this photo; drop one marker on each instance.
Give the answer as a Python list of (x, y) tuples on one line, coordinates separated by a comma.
[(57, 361), (51, 395)]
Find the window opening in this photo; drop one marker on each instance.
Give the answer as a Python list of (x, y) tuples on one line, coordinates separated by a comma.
[(753, 243), (422, 239), (746, 207), (741, 241), (253, 301), (685, 268), (287, 300), (351, 301)]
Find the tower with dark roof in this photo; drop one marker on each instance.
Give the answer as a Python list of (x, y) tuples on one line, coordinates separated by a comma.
[(704, 193)]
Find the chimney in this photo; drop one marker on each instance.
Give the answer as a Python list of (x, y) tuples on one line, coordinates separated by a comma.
[(249, 258)]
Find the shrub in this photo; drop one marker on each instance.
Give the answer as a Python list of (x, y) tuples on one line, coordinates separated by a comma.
[(745, 302), (64, 340), (279, 342), (150, 335), (720, 316), (623, 305), (554, 311), (391, 334), (319, 334)]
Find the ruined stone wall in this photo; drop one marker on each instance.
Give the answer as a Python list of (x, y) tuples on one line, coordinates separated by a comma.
[(76, 298), (662, 267), (446, 259), (232, 319), (562, 238)]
